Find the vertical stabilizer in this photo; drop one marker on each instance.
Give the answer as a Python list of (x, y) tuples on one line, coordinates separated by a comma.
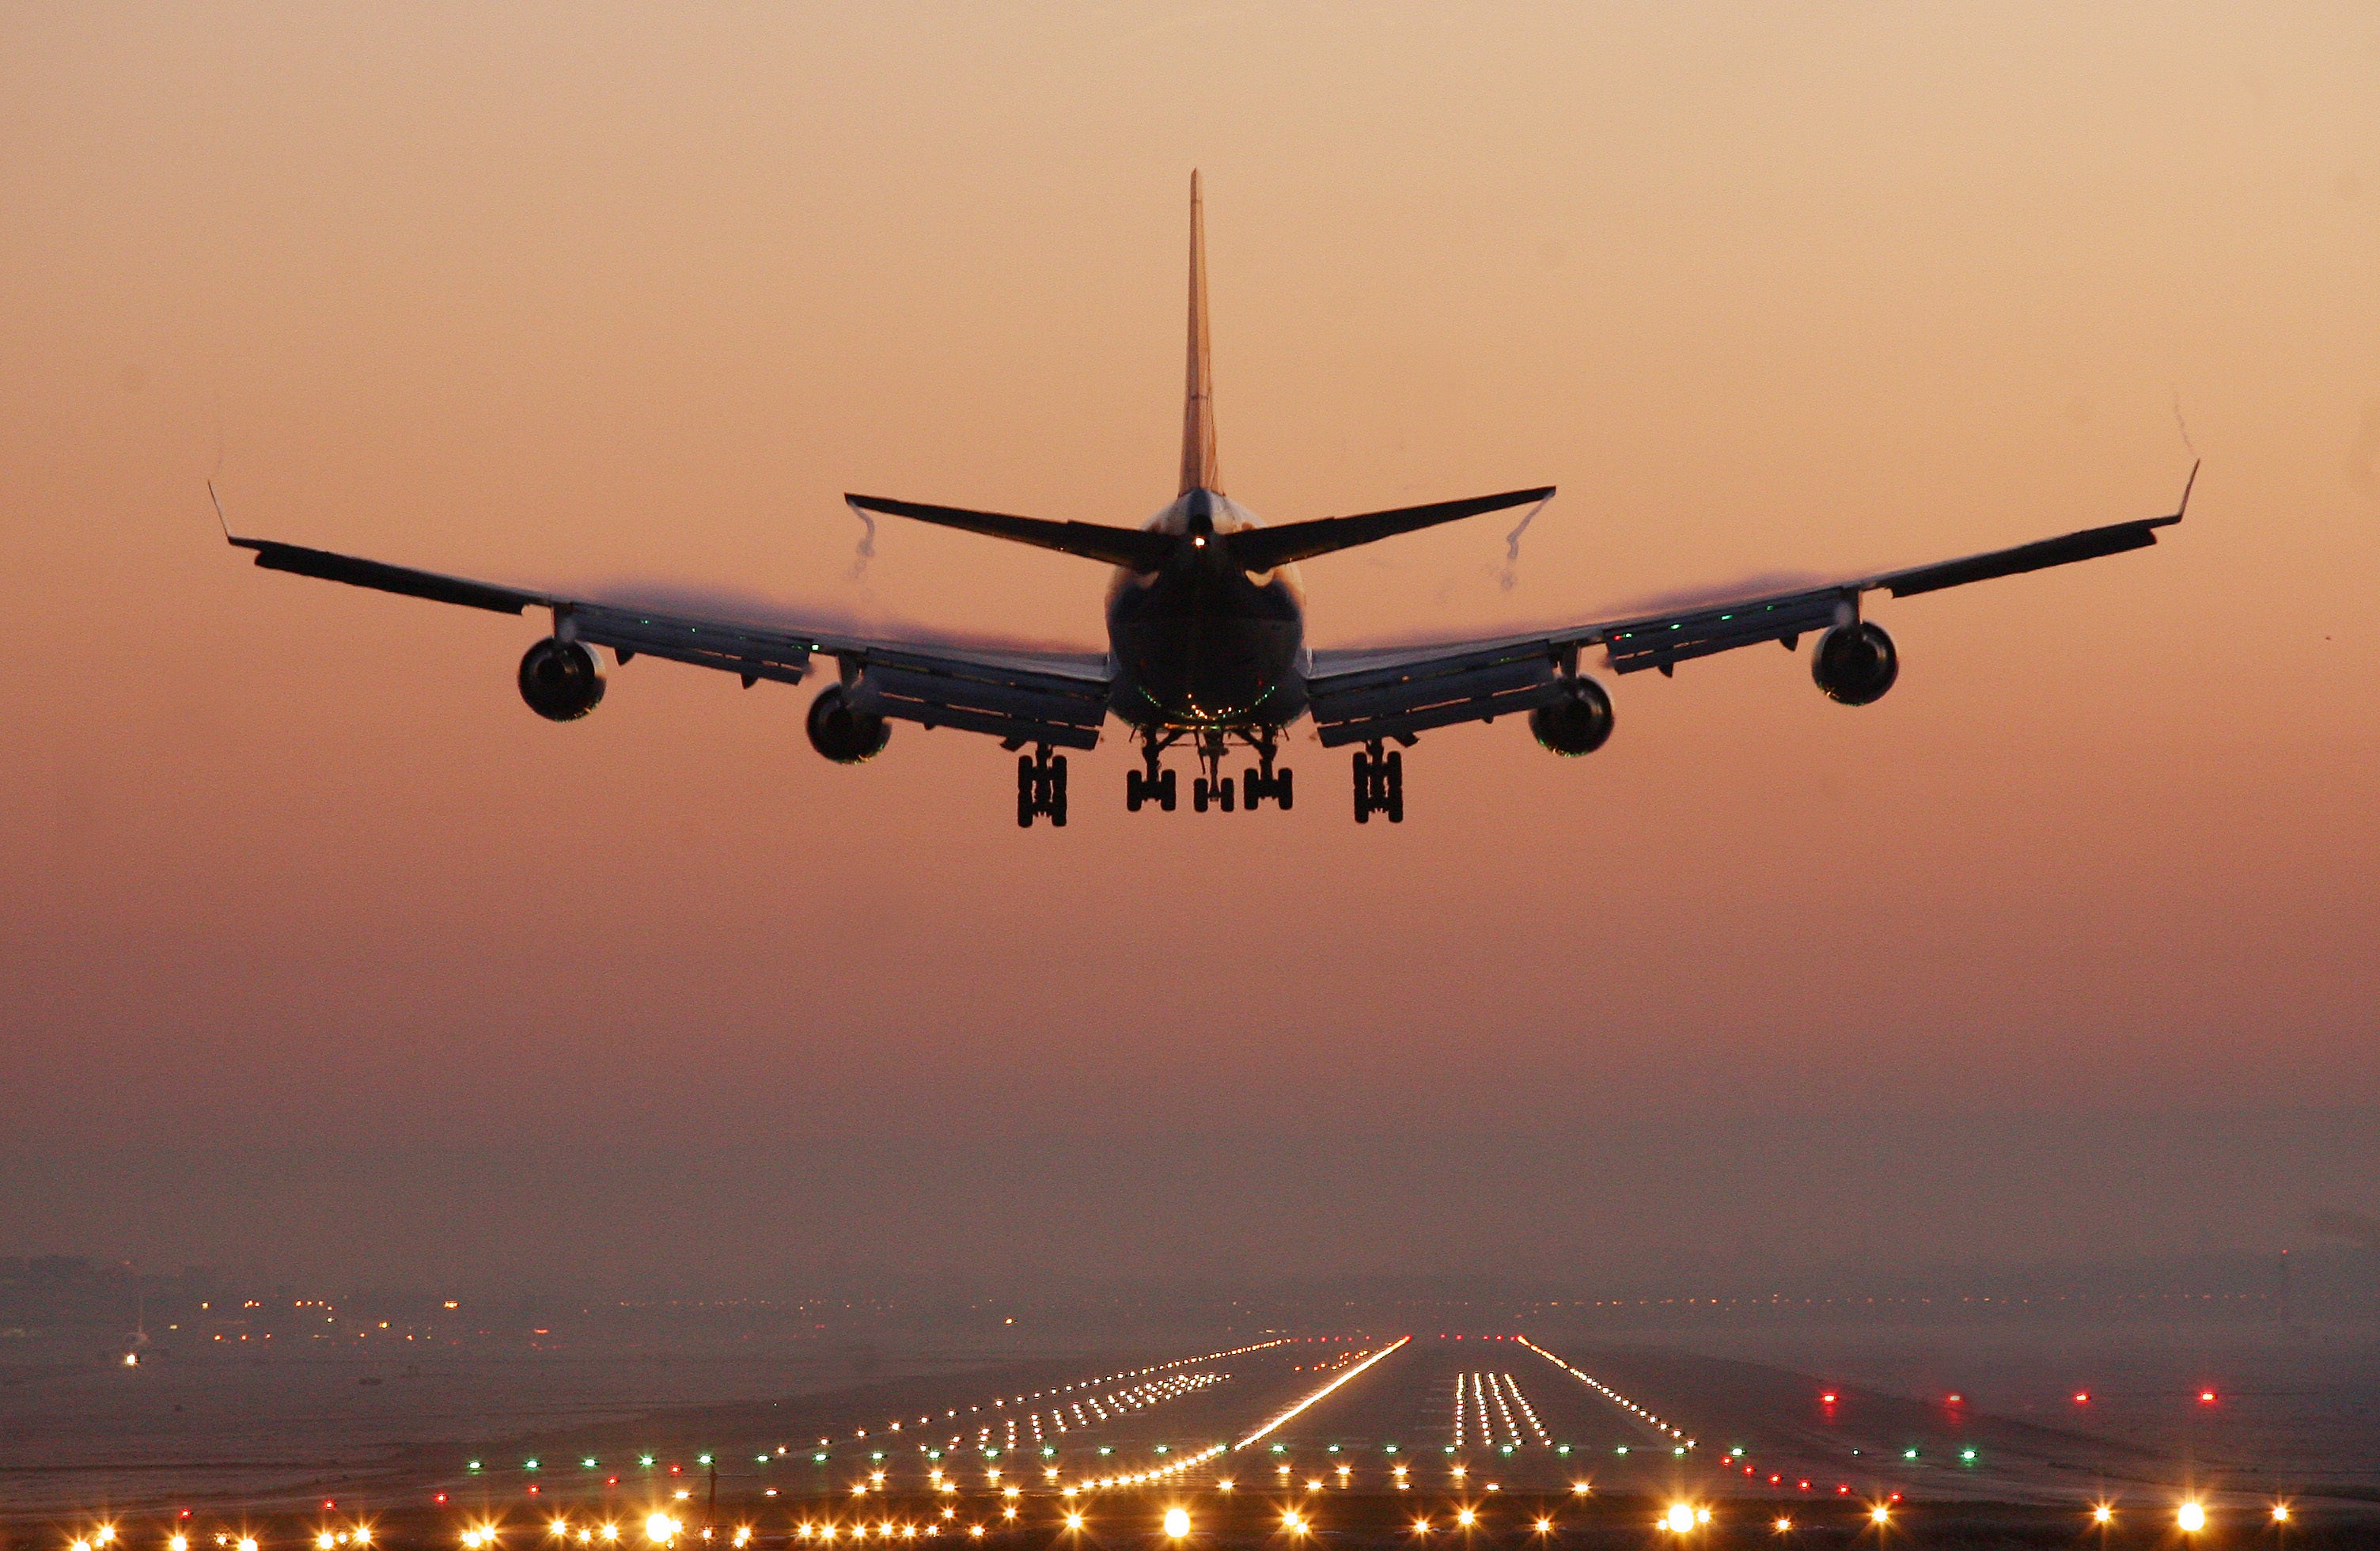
[(1199, 469)]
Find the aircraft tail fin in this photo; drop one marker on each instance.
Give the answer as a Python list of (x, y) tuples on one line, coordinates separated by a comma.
[(1200, 468)]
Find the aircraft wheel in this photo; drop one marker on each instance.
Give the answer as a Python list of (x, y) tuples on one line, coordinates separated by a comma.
[(1363, 788), (1223, 793), (1024, 810), (1133, 794), (1198, 795), (1283, 792), (1395, 804), (1165, 791)]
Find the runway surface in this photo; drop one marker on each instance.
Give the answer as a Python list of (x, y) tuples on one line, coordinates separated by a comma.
[(1369, 1437)]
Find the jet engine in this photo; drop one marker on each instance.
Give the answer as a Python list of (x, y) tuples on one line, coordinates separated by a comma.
[(1855, 663), (561, 680), (1580, 722), (843, 733)]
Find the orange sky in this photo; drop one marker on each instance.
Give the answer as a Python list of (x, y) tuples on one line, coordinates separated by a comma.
[(580, 295)]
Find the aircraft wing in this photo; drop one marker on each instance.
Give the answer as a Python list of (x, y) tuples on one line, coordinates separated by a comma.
[(1356, 696), (1019, 697)]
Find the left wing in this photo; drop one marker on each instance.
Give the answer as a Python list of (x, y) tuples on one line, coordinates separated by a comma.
[(1357, 696), (1019, 697)]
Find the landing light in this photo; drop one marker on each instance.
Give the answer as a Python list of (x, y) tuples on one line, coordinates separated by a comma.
[(1680, 1519), (1177, 1522), (2192, 1518)]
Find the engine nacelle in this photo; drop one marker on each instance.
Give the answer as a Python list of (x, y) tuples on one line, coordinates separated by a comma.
[(1580, 722), (1855, 663), (561, 680), (843, 732)]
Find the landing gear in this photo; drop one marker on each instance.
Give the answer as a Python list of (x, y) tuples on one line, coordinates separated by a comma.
[(1380, 785), (1265, 782), (1217, 791), (1040, 788), (1151, 784)]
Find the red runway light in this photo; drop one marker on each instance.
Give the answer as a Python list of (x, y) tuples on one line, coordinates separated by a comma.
[(2082, 1397), (2207, 1396), (1840, 1489), (1828, 1397), (1806, 1487)]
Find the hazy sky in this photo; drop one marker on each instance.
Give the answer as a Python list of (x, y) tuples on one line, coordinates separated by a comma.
[(317, 946)]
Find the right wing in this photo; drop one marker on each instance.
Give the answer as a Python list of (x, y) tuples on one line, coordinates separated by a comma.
[(1356, 696), (1019, 697)]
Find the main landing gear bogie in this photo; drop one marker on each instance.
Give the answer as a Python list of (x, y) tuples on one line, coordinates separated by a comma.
[(1380, 785), (1157, 787), (1040, 788), (1211, 788)]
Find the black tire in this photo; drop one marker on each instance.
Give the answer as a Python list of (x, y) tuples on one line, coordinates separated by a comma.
[(1166, 790), (1024, 810), (1198, 795), (1223, 793), (1363, 789), (1284, 791), (1058, 778), (1134, 793)]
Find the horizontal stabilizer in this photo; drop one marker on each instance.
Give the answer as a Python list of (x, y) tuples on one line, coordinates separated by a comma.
[(1262, 549), (1131, 548)]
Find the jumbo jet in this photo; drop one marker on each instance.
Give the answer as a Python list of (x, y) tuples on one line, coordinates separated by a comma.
[(1206, 649)]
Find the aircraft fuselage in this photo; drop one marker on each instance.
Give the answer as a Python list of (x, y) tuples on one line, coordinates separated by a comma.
[(1200, 644)]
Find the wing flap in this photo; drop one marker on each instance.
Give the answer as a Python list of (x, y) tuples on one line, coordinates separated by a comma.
[(1678, 639), (752, 652), (1396, 702), (1030, 707)]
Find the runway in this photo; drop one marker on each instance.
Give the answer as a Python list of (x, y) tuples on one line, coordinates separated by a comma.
[(1364, 1438)]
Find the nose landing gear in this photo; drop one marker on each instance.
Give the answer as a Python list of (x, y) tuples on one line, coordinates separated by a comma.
[(1040, 788)]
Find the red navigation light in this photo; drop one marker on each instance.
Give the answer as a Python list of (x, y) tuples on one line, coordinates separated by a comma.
[(2082, 1397), (441, 1497), (2207, 1396), (1806, 1487), (1958, 1399), (1828, 1397)]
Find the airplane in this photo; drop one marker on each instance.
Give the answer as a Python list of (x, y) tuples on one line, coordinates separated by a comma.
[(1206, 647)]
